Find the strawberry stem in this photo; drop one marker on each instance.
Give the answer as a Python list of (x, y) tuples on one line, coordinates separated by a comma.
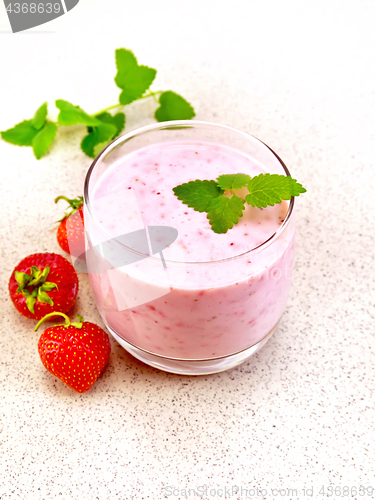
[(47, 316), (77, 324), (62, 198), (74, 204)]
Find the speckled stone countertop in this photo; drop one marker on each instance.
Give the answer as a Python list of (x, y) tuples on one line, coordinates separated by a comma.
[(299, 414)]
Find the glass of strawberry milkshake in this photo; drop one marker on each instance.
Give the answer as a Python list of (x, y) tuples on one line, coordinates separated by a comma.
[(174, 293)]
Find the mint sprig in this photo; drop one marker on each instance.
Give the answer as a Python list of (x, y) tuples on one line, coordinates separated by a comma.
[(133, 79), (224, 208)]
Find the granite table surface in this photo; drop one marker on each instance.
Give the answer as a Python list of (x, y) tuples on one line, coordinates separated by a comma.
[(297, 416)]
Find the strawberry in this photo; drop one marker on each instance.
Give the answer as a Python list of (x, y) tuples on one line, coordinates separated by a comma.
[(41, 283), (76, 353), (70, 233)]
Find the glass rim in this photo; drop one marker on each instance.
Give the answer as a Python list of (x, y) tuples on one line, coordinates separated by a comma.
[(174, 124)]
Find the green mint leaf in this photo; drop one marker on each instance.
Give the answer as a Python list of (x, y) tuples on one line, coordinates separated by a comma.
[(99, 135), (43, 139), (73, 115), (198, 194), (21, 134), (134, 80), (173, 107), (98, 148), (118, 120), (270, 189), (40, 117), (233, 181), (223, 212)]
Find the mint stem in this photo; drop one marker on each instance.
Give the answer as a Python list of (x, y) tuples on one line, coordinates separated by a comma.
[(153, 94), (118, 105)]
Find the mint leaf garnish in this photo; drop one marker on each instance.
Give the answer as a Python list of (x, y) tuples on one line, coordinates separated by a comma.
[(21, 134), (133, 79), (198, 194), (233, 181), (72, 115), (173, 107), (43, 139), (270, 189), (40, 116), (224, 212)]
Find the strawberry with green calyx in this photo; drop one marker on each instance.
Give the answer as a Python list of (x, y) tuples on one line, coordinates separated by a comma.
[(37, 280), (76, 353), (70, 233), (41, 283)]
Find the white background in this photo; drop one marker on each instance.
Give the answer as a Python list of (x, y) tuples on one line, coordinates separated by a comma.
[(298, 75)]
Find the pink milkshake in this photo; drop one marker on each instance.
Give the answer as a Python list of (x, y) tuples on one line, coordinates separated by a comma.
[(220, 296)]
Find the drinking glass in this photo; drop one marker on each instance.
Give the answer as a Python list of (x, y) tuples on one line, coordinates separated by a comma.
[(178, 315)]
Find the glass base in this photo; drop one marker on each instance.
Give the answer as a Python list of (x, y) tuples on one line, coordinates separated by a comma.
[(191, 366)]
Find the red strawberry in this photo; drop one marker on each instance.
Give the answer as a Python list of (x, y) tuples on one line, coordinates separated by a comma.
[(70, 233), (76, 353), (41, 283)]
